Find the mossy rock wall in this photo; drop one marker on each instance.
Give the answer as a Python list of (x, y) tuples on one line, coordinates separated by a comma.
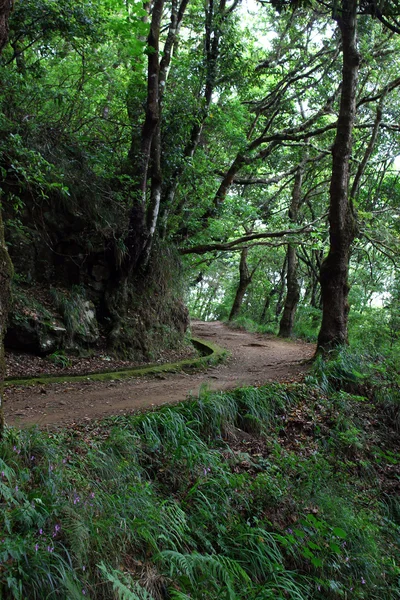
[(68, 249)]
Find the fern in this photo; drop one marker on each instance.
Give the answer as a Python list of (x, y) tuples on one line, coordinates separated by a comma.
[(127, 589), (77, 532), (213, 568)]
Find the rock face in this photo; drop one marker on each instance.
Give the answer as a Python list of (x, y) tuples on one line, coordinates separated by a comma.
[(65, 297), (35, 336), (88, 331), (63, 320)]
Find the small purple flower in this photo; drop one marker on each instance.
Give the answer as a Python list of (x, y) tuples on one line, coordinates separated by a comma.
[(51, 467), (41, 531), (319, 588), (64, 460), (50, 548), (84, 568), (84, 592), (32, 457), (76, 499), (36, 547), (57, 528), (92, 495), (16, 488), (290, 531), (3, 474), (362, 580)]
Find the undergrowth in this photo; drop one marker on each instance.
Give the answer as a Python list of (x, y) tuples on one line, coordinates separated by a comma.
[(281, 492)]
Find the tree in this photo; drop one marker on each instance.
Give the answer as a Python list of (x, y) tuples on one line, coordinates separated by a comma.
[(5, 262), (293, 287), (335, 267), (245, 278)]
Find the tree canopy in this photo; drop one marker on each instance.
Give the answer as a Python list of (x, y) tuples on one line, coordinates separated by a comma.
[(134, 131)]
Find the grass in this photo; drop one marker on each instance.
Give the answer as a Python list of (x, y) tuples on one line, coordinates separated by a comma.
[(280, 492)]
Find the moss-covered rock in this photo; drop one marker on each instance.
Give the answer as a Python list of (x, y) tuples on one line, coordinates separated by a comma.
[(33, 327)]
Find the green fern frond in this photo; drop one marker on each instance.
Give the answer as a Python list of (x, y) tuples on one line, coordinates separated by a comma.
[(126, 589), (206, 567)]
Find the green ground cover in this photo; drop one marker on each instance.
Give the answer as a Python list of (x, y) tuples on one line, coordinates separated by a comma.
[(286, 491)]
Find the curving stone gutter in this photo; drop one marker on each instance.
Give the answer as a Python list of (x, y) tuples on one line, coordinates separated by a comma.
[(212, 355)]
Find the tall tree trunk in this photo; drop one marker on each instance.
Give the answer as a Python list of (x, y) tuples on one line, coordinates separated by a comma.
[(5, 298), (267, 303), (245, 278), (5, 262), (5, 9), (244, 281), (293, 287), (315, 299), (214, 20), (281, 289), (334, 269), (292, 294), (138, 234)]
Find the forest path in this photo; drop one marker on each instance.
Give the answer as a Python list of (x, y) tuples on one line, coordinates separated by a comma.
[(255, 359)]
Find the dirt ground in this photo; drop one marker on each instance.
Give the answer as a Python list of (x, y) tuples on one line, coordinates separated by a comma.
[(255, 359)]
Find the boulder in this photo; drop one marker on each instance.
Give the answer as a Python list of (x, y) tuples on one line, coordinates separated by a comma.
[(34, 335)]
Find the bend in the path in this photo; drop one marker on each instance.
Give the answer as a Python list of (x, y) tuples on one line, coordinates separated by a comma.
[(255, 359)]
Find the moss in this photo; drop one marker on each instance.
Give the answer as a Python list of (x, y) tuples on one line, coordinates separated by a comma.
[(212, 354)]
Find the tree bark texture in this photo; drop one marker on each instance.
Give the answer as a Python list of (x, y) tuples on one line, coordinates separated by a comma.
[(145, 212), (5, 301), (5, 9), (137, 237), (5, 262), (335, 267)]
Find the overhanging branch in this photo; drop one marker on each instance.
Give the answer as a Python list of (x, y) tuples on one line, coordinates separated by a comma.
[(203, 248)]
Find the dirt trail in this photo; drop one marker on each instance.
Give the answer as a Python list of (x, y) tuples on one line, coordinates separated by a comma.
[(255, 359)]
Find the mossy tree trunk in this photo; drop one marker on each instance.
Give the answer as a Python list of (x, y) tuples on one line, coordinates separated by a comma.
[(5, 262)]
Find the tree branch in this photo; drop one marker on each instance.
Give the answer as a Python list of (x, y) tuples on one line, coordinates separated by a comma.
[(203, 248)]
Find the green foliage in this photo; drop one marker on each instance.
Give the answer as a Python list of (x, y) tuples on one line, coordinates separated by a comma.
[(59, 358), (125, 589), (217, 497), (183, 502), (71, 306)]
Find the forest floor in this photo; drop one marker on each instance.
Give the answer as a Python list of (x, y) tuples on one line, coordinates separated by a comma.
[(255, 359)]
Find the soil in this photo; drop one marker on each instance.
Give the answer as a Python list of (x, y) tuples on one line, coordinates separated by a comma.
[(255, 360)]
